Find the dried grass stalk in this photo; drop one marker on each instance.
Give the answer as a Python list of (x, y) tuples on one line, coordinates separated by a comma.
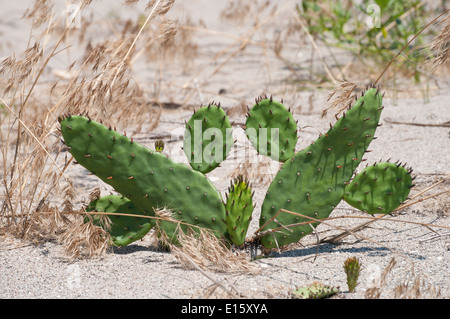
[(40, 13), (260, 172), (341, 97), (417, 289), (200, 248), (84, 239), (441, 43)]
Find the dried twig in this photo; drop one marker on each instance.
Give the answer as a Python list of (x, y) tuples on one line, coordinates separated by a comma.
[(446, 124), (409, 42)]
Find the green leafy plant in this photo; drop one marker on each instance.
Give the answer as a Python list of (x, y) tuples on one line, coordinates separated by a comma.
[(372, 31)]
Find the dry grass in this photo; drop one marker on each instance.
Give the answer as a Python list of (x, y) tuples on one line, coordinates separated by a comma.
[(441, 43), (101, 84), (201, 249), (415, 288)]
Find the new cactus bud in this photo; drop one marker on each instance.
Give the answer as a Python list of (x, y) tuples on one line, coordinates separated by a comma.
[(271, 129), (159, 146), (352, 267), (239, 209)]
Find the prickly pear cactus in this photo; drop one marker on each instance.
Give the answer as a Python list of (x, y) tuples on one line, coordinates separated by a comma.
[(312, 182), (148, 178), (271, 129), (124, 229), (239, 209), (208, 138), (379, 188), (316, 290)]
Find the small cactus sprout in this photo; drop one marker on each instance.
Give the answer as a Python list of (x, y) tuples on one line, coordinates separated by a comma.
[(352, 266), (316, 290), (239, 209), (159, 146)]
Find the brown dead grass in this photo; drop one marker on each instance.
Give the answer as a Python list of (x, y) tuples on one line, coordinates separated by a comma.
[(101, 84), (199, 248)]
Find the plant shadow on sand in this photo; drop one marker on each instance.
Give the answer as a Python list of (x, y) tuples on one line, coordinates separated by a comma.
[(326, 249), (131, 249)]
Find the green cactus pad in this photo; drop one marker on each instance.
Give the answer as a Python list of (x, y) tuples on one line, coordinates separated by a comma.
[(239, 209), (271, 129), (316, 290), (379, 188), (312, 182), (124, 229), (208, 138), (148, 178)]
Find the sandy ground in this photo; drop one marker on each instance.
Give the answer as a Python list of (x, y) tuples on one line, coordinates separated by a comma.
[(143, 271)]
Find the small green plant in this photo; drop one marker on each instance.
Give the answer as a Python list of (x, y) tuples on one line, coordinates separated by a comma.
[(159, 146), (352, 267), (316, 290), (239, 209), (372, 31)]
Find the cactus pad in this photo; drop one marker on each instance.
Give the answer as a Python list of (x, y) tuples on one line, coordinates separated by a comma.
[(124, 229), (312, 182), (316, 290), (208, 138), (271, 129), (239, 209), (379, 188), (148, 178)]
